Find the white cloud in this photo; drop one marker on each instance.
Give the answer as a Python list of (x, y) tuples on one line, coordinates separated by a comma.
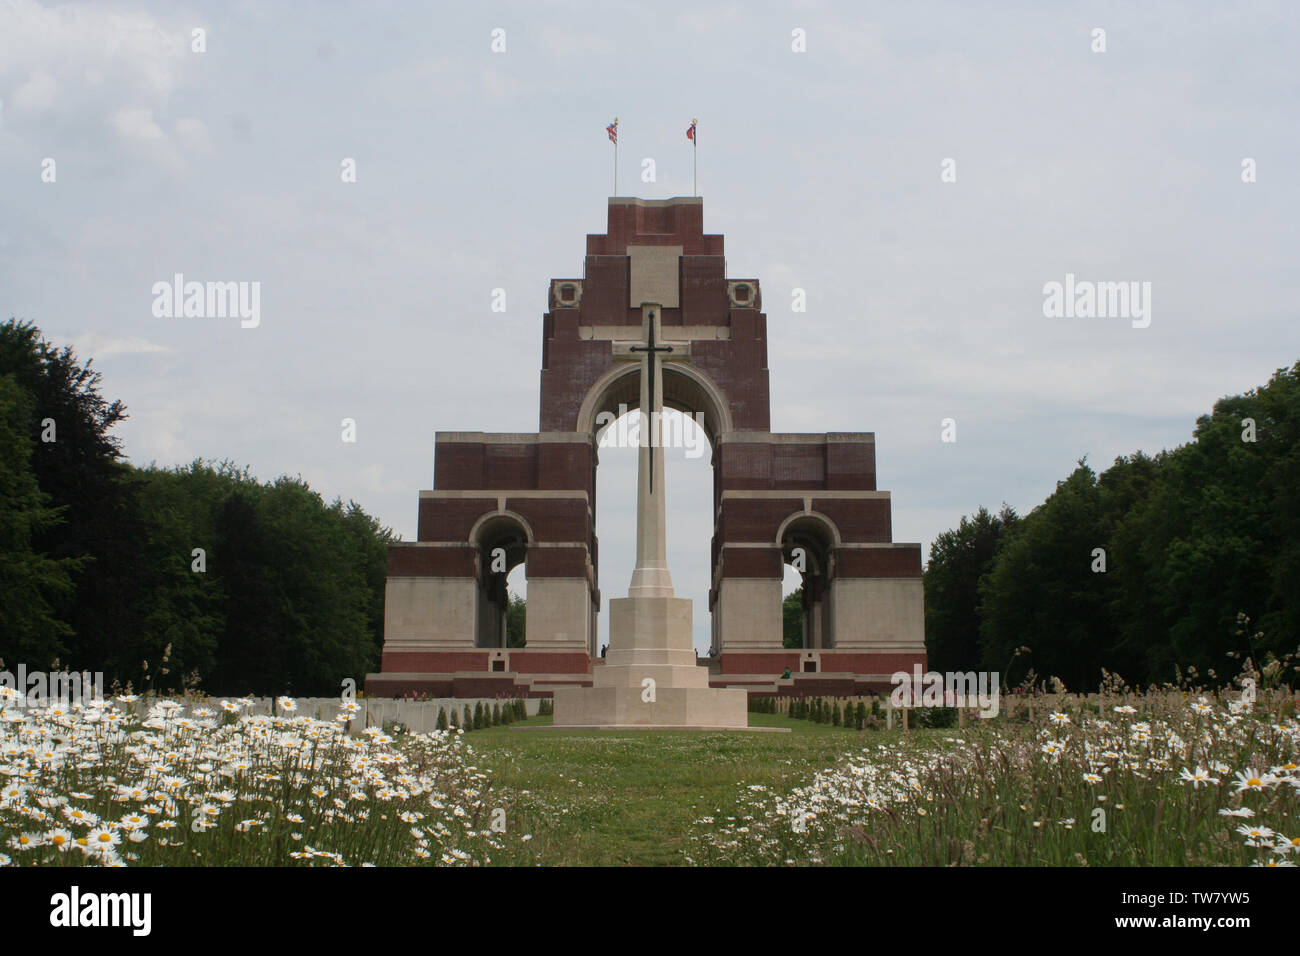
[(191, 133), (97, 345), (138, 126), (140, 131), (96, 59), (36, 93)]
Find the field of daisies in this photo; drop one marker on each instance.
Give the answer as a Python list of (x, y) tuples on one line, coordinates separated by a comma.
[(1164, 778), (210, 785)]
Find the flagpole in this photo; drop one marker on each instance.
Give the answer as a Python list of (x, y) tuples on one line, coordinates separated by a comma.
[(612, 130), (693, 134)]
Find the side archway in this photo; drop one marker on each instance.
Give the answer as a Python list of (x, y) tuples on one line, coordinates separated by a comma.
[(501, 540), (808, 541)]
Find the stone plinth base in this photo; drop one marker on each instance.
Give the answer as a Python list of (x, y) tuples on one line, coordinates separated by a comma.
[(673, 707), (650, 677)]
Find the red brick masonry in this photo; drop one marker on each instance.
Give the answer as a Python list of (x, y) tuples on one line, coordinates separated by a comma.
[(831, 661)]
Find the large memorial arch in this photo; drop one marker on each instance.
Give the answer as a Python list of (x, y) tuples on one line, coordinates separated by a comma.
[(534, 497)]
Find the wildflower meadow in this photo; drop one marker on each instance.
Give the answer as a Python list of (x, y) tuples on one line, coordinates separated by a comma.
[(1164, 778), (1177, 782), (201, 785)]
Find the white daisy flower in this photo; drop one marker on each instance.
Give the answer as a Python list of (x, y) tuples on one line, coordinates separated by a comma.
[(1197, 778)]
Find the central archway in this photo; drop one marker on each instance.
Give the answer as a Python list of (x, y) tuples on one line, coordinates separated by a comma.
[(686, 389), (695, 419)]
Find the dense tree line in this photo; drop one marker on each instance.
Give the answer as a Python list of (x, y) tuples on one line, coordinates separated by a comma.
[(1142, 570), (163, 577)]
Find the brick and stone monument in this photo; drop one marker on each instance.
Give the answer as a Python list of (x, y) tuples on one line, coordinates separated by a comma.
[(651, 677), (499, 500)]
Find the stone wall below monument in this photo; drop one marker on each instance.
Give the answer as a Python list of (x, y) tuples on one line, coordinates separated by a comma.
[(882, 614), (558, 614), (409, 618), (749, 612)]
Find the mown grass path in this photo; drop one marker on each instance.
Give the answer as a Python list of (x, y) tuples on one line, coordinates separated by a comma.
[(608, 798)]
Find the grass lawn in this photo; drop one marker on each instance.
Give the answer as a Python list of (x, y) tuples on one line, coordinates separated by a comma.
[(601, 798)]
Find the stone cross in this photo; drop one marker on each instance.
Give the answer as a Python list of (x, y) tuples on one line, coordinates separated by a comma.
[(648, 372), (650, 577)]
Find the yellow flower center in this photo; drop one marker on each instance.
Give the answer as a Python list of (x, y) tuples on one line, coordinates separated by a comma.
[(105, 838), (1254, 782)]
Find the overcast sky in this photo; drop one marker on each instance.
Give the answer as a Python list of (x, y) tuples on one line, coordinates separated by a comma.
[(479, 170)]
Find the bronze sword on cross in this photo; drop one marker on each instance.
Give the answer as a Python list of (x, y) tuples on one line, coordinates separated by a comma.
[(650, 349)]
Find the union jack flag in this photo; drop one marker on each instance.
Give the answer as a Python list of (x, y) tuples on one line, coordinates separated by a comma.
[(612, 130)]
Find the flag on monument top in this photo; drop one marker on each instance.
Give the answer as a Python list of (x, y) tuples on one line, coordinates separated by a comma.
[(612, 130), (690, 133)]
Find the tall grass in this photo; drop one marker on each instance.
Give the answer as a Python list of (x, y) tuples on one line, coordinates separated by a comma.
[(1071, 787)]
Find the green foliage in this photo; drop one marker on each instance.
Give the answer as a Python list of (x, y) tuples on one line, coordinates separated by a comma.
[(454, 723), (478, 715), (1219, 534), (103, 558), (1192, 538), (860, 719), (467, 721), (958, 559), (1041, 591), (516, 621), (442, 719), (792, 619), (496, 716), (84, 482), (935, 717), (30, 581)]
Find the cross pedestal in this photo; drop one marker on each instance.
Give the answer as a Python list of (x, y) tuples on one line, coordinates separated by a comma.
[(650, 677)]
